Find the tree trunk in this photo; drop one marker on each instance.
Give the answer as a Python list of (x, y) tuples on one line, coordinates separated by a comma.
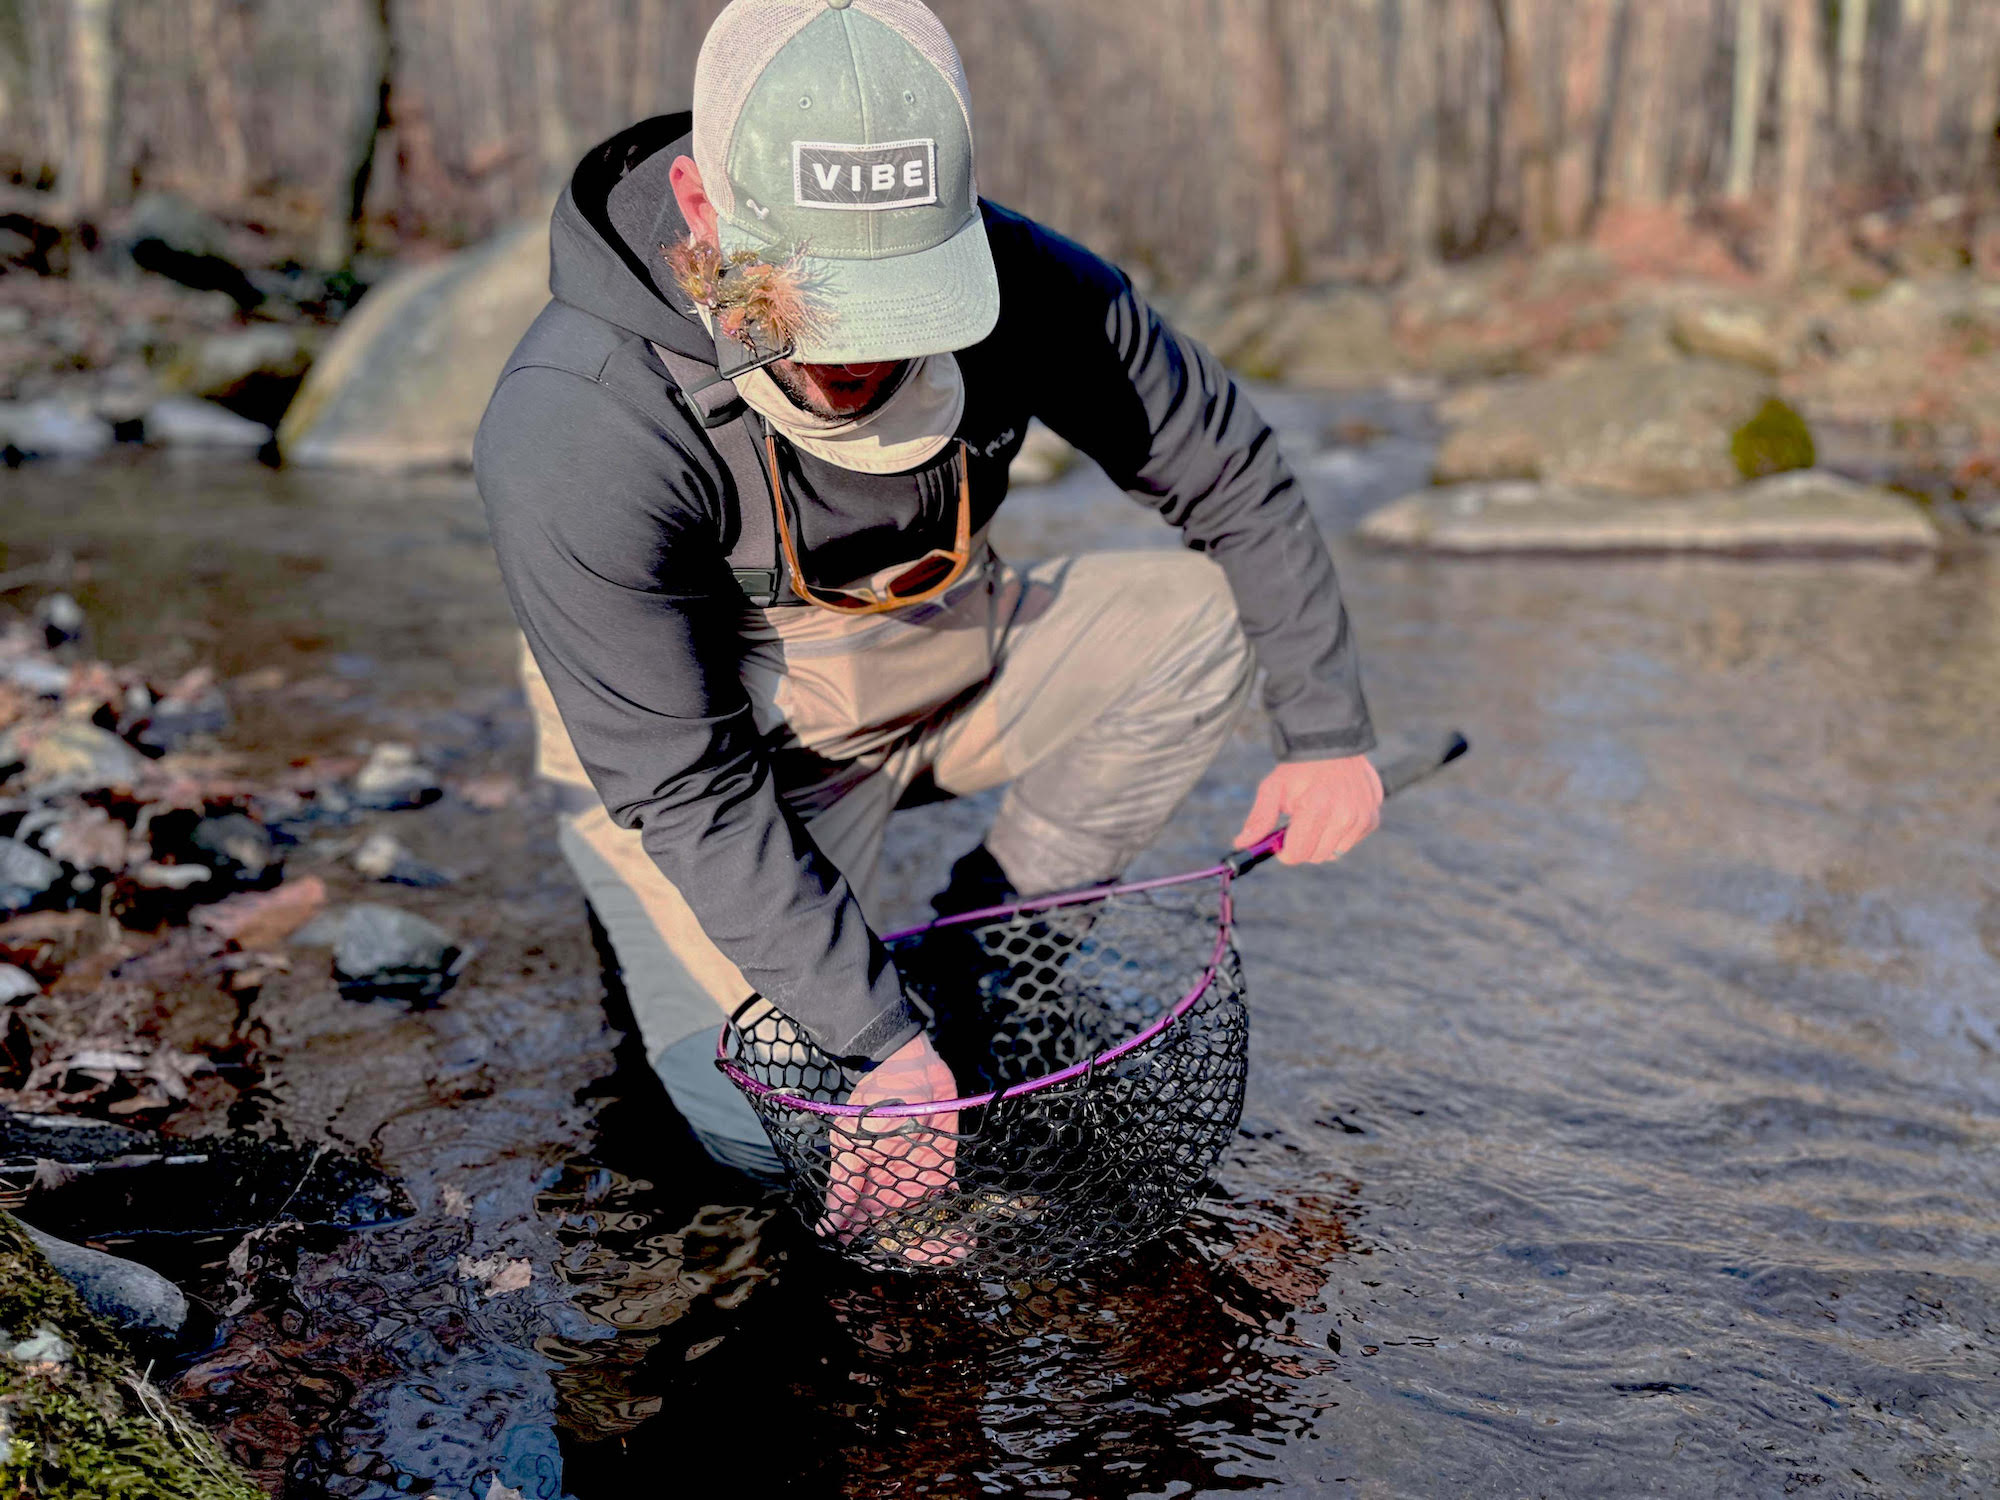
[(340, 239), (1798, 128), (93, 84), (1642, 124), (648, 88), (1527, 124), (1853, 50), (215, 56), (1255, 52), (45, 73), (551, 125), (1586, 69), (1748, 108), (1417, 117)]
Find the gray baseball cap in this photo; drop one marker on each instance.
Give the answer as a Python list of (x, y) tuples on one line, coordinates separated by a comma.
[(843, 128)]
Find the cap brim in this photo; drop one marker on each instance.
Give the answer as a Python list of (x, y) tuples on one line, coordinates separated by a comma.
[(900, 307)]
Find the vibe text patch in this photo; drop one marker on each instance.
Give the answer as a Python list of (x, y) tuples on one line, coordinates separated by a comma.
[(898, 174)]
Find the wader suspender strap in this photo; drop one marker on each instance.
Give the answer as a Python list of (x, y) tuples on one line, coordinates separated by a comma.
[(714, 404)]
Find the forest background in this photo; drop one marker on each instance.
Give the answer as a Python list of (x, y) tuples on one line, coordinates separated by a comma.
[(1274, 140)]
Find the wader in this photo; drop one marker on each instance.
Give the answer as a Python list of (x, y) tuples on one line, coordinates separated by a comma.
[(1097, 689)]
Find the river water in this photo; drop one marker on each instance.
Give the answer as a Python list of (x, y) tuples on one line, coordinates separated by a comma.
[(1625, 1117)]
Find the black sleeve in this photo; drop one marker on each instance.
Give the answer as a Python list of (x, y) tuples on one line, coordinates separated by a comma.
[(1164, 419), (608, 549)]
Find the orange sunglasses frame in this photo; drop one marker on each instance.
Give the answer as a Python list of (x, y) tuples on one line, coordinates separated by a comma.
[(865, 601)]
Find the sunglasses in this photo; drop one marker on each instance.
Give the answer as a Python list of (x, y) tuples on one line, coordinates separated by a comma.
[(919, 583)]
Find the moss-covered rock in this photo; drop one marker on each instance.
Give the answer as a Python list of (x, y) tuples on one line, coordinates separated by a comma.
[(77, 1421), (1775, 441)]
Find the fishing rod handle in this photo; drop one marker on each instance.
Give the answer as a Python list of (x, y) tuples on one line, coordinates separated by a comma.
[(1398, 772)]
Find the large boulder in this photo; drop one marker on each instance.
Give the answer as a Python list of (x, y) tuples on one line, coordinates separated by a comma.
[(1627, 426), (1811, 512), (255, 372), (403, 384)]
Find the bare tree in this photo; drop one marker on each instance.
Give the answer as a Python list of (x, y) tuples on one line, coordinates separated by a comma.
[(1256, 57), (373, 117), (215, 51), (552, 134), (1853, 51), (1798, 128), (1640, 175), (1527, 120), (1417, 130), (1747, 104), (1586, 70), (93, 84), (649, 40)]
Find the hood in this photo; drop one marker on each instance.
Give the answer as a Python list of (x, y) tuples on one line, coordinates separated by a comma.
[(609, 224)]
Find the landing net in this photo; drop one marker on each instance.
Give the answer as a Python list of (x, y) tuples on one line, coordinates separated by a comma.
[(1102, 1041)]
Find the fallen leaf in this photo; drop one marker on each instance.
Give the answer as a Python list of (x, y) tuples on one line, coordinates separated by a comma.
[(263, 680), (264, 919), (91, 839), (498, 1274), (489, 793), (457, 1203)]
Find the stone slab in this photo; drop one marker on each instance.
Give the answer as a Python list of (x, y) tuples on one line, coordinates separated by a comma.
[(1809, 512)]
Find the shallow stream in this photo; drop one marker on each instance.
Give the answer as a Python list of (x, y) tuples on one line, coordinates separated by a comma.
[(1625, 1117)]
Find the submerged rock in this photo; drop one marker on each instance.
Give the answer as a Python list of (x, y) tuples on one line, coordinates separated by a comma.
[(236, 845), (129, 1296), (383, 857), (62, 620), (395, 779), (196, 705), (26, 876), (68, 755), (383, 953), (53, 428), (405, 381), (1809, 512)]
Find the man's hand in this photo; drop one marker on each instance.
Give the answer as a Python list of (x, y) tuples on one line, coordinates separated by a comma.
[(882, 1165), (1332, 805)]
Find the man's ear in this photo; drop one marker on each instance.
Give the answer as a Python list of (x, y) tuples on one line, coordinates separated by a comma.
[(694, 201)]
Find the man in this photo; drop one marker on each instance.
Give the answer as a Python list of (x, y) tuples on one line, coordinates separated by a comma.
[(760, 611)]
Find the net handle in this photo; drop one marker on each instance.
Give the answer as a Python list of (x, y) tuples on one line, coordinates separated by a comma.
[(1399, 769)]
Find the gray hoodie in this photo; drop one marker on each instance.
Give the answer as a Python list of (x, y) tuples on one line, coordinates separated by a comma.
[(614, 517)]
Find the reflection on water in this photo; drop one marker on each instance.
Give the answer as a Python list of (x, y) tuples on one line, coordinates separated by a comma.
[(1624, 1118)]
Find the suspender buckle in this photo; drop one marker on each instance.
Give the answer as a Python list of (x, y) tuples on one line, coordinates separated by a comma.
[(759, 585)]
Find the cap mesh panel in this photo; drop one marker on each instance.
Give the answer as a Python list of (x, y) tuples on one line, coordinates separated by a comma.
[(916, 24), (739, 46)]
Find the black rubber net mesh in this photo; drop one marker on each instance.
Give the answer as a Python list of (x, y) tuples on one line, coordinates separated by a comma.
[(1050, 1177)]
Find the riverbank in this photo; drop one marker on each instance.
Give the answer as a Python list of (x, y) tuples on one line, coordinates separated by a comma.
[(1645, 360)]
